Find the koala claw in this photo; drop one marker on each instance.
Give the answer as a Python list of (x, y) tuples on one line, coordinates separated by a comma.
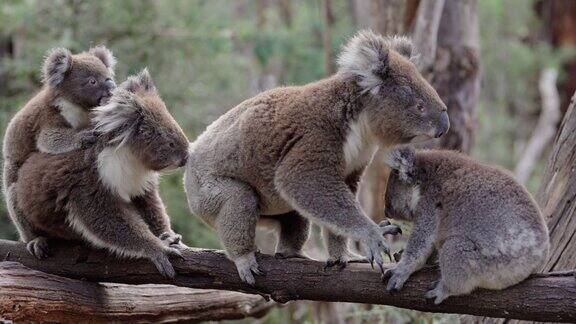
[(248, 267), (438, 294), (387, 228), (170, 238), (164, 266), (39, 247), (337, 263), (396, 279), (375, 249)]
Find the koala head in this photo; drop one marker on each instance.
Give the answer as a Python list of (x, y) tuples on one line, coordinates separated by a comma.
[(403, 189), (398, 102), (85, 79), (136, 116)]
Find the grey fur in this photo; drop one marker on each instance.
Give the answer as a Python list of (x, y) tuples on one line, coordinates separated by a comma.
[(298, 152), (486, 227), (54, 120), (107, 194)]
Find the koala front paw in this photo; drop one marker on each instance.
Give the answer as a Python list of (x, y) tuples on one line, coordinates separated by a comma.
[(248, 267), (39, 247), (376, 246), (342, 261), (163, 264), (439, 293), (172, 239), (396, 278), (387, 228)]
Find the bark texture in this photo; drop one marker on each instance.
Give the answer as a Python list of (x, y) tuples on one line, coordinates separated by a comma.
[(33, 296), (542, 298)]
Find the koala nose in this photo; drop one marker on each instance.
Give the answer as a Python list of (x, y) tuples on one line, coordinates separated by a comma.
[(443, 124), (110, 84), (183, 161)]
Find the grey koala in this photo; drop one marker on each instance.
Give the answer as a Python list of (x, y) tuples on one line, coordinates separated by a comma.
[(486, 227), (56, 119), (294, 154), (107, 194)]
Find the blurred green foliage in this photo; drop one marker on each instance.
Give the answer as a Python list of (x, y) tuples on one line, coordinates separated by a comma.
[(203, 56)]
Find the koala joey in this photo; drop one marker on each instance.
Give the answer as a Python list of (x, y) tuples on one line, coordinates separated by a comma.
[(292, 155), (54, 121), (107, 194), (487, 229)]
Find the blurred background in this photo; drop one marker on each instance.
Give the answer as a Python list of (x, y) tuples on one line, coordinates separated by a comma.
[(505, 68)]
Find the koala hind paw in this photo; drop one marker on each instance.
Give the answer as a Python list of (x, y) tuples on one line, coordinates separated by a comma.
[(39, 247), (248, 267), (163, 265)]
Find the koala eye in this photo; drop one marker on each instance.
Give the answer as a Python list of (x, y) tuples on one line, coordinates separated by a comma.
[(171, 144), (92, 81), (421, 108)]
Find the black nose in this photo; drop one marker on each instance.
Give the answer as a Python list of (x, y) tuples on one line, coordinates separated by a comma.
[(183, 161), (443, 124), (110, 84)]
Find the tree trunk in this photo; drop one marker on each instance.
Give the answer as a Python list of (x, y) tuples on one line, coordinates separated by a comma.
[(388, 16), (559, 29), (34, 296), (549, 297), (327, 19), (556, 197), (456, 71)]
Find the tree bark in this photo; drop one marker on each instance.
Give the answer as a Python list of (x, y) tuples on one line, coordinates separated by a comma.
[(456, 71), (387, 16), (34, 296), (544, 297), (327, 19), (545, 128), (557, 195)]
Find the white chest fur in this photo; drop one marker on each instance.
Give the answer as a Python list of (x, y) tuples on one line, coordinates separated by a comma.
[(359, 145), (123, 173), (75, 115)]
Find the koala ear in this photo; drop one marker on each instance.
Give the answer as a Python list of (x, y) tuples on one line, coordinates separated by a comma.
[(57, 62), (141, 81), (365, 57), (105, 55), (402, 159)]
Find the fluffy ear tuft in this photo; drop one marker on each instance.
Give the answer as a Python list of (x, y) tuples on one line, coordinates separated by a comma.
[(141, 81), (366, 56), (57, 62), (402, 45), (117, 118), (402, 159), (105, 55)]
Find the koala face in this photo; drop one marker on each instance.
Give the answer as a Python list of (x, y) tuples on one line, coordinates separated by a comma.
[(402, 191), (136, 116), (85, 79), (405, 106), (158, 139)]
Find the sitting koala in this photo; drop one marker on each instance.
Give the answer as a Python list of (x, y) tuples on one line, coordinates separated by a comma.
[(487, 229), (107, 194)]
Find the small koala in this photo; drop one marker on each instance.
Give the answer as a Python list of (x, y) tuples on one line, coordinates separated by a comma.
[(55, 120), (486, 227), (107, 194), (294, 154)]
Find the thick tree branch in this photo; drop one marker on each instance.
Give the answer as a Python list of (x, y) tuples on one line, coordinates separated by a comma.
[(542, 298), (30, 295)]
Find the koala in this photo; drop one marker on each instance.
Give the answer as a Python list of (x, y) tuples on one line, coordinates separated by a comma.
[(54, 121), (487, 229), (107, 194), (294, 154)]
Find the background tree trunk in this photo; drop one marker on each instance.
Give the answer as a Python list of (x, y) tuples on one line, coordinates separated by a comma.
[(556, 197)]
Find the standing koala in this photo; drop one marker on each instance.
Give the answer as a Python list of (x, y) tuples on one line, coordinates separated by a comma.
[(107, 194), (51, 121), (294, 154), (487, 229)]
